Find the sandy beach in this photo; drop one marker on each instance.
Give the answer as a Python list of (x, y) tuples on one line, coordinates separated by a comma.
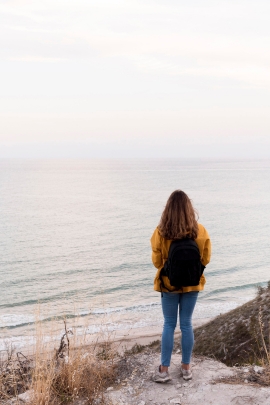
[(144, 336)]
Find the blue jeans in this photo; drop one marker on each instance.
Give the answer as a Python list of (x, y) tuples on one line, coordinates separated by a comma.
[(170, 303)]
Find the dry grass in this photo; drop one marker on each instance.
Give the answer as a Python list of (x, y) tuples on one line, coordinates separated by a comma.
[(251, 377), (72, 372), (15, 373), (240, 336), (81, 376)]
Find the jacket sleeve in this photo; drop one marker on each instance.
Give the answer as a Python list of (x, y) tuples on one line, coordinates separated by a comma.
[(156, 250), (206, 255)]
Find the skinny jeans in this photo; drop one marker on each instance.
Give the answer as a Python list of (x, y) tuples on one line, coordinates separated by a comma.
[(172, 304)]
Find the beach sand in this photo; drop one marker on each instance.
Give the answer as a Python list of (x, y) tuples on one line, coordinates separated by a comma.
[(144, 336)]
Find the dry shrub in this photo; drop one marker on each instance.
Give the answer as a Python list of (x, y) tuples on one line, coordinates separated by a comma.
[(71, 373), (81, 376), (265, 376), (235, 337), (265, 359), (78, 371), (15, 373)]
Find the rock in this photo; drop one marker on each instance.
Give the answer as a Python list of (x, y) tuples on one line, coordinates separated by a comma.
[(109, 388), (26, 396), (245, 370), (258, 369), (175, 401), (141, 403)]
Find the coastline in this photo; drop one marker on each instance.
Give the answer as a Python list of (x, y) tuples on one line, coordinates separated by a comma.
[(121, 363), (143, 337), (120, 340)]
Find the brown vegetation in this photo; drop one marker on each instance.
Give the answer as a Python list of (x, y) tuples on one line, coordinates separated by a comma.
[(72, 372), (240, 336), (15, 373)]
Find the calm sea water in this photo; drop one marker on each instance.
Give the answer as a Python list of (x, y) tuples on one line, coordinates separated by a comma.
[(74, 238)]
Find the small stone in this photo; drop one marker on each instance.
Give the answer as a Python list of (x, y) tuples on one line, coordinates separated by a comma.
[(177, 351), (141, 403), (258, 369), (26, 396), (246, 381), (178, 385), (185, 385), (175, 401), (191, 385), (109, 388), (245, 370)]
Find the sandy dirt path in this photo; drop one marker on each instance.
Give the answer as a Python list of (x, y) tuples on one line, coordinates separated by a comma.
[(139, 389)]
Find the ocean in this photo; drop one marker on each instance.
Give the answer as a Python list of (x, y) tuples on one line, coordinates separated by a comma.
[(75, 239)]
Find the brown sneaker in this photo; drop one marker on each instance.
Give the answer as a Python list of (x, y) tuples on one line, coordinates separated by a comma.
[(161, 377)]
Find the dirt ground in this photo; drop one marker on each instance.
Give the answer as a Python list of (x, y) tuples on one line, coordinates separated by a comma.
[(205, 388), (213, 383)]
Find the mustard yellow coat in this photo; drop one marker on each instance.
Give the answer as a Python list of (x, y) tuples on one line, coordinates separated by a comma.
[(160, 251)]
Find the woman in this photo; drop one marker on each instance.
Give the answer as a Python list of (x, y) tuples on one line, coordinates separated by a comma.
[(178, 222)]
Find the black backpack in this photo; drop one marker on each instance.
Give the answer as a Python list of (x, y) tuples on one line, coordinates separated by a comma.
[(183, 267)]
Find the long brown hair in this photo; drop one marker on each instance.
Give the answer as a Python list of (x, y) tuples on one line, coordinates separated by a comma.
[(179, 218)]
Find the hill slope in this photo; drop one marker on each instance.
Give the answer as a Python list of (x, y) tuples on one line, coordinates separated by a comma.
[(236, 337)]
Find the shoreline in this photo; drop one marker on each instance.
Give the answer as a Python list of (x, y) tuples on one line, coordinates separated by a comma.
[(140, 336), (121, 340)]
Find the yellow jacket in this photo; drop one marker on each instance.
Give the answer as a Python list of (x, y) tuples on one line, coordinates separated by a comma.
[(160, 251)]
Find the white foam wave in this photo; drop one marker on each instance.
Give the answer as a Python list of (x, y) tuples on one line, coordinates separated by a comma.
[(110, 310), (208, 309), (7, 320)]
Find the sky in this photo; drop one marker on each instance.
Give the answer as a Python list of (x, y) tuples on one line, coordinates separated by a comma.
[(134, 78)]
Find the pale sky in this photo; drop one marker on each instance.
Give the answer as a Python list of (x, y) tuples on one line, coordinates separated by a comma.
[(135, 78)]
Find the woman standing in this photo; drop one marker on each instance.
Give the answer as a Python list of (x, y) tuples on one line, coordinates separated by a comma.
[(178, 222)]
